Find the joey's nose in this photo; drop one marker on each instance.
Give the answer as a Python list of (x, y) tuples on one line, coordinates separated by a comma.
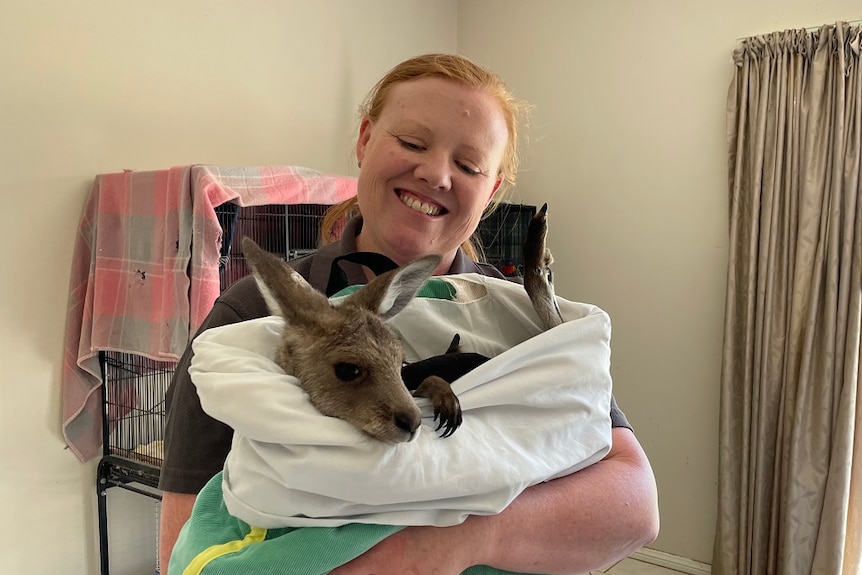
[(408, 422)]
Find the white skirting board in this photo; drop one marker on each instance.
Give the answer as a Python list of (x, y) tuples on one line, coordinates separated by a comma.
[(670, 561)]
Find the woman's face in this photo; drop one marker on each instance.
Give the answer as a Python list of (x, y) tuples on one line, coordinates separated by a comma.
[(430, 165)]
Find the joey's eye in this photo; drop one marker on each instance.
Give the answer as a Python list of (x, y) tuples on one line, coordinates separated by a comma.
[(347, 371)]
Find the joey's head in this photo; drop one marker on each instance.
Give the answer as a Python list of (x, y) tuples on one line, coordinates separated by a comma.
[(345, 356)]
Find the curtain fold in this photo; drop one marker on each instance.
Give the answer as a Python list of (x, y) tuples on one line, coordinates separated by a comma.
[(789, 456)]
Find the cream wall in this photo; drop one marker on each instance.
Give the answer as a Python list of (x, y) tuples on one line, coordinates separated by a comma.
[(628, 149), (98, 86)]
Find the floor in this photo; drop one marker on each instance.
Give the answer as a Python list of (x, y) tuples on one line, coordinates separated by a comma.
[(635, 567)]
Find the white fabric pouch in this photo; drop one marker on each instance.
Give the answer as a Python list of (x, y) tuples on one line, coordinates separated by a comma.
[(537, 410)]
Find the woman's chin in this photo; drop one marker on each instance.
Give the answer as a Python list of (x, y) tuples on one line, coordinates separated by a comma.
[(413, 247)]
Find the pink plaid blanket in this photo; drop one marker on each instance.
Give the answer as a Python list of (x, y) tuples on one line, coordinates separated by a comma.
[(145, 268)]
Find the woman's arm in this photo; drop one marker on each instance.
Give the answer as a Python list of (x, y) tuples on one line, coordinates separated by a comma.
[(176, 510), (580, 522)]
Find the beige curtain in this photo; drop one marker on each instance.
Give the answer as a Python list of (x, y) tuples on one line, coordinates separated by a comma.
[(790, 485)]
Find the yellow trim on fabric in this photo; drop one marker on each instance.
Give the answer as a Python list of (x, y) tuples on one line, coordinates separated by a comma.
[(256, 535)]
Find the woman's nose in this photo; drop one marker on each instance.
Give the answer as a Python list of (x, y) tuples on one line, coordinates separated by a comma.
[(435, 170)]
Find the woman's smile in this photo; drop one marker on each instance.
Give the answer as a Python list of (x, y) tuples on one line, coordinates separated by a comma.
[(421, 205)]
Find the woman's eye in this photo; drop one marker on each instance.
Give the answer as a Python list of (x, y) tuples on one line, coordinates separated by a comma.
[(469, 170), (410, 145)]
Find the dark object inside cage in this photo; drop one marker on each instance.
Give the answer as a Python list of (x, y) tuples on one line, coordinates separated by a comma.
[(133, 394), (502, 234)]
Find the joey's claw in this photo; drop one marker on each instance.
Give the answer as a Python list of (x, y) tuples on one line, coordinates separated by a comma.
[(452, 424), (447, 414), (451, 421), (447, 408)]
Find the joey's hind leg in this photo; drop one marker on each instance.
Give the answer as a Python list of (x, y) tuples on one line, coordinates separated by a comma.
[(537, 270), (447, 408), (537, 256)]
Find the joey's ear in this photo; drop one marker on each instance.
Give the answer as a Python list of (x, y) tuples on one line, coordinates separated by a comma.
[(286, 293), (388, 294)]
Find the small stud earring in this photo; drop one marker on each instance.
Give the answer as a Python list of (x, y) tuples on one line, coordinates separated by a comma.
[(359, 164)]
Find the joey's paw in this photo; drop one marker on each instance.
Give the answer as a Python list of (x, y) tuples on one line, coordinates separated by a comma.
[(448, 415), (447, 408)]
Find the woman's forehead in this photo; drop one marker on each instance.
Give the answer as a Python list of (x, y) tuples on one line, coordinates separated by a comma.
[(425, 102)]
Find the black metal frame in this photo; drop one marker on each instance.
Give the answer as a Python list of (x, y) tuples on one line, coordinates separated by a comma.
[(114, 470)]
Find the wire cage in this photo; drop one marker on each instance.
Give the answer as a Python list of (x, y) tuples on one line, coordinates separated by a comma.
[(133, 394), (134, 386), (291, 231), (135, 405), (502, 234)]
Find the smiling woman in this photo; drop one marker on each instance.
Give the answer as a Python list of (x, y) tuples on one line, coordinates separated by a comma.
[(436, 144), (471, 95), (431, 160)]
